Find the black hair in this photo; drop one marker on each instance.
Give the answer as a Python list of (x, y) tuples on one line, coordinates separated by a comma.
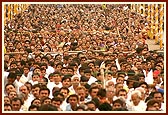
[(16, 99), (47, 107), (73, 95), (101, 92), (105, 107), (12, 75), (44, 88), (32, 107)]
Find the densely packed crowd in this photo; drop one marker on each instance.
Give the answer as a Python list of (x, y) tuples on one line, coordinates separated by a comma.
[(81, 57)]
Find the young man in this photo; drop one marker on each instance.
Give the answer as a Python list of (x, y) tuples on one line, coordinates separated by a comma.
[(16, 104), (72, 101)]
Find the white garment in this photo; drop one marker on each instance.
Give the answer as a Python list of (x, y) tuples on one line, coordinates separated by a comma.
[(117, 64), (92, 80), (49, 70), (63, 105), (140, 107), (24, 79), (51, 85), (27, 103), (148, 77)]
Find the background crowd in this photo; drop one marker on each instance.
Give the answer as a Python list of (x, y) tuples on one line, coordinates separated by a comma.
[(81, 57)]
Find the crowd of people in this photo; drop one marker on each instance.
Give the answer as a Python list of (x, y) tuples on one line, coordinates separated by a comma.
[(81, 57)]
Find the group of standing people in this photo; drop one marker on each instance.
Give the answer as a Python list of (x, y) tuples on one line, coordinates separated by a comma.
[(81, 57)]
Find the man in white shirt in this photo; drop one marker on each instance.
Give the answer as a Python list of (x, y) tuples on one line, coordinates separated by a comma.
[(90, 78)]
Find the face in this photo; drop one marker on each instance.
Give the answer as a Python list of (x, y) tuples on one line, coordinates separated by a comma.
[(123, 94), (26, 70), (37, 102), (36, 78), (57, 78), (75, 81), (88, 75), (156, 105), (56, 104), (66, 83), (119, 86), (24, 90), (35, 92), (91, 106), (64, 92), (7, 108), (47, 101), (33, 109), (6, 100), (145, 87), (158, 97), (11, 80), (135, 99), (73, 101), (120, 80), (12, 95), (43, 94), (10, 88), (94, 93), (141, 79), (16, 105), (81, 94), (117, 105)]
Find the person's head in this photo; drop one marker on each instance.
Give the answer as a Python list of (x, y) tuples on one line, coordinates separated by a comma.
[(101, 94), (118, 103), (24, 89), (43, 81), (12, 95), (36, 102), (63, 70), (7, 100), (141, 77), (35, 90), (58, 67), (47, 107), (33, 108), (81, 91), (87, 73), (37, 70), (75, 79), (144, 85), (122, 93), (91, 105), (158, 96), (11, 77), (66, 81), (56, 101), (46, 100), (136, 97), (44, 92), (29, 86), (64, 91), (36, 77), (120, 79), (93, 91), (105, 107), (56, 76), (16, 104), (70, 70), (118, 86), (153, 105), (73, 100), (26, 70), (9, 88), (7, 107), (80, 108)]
